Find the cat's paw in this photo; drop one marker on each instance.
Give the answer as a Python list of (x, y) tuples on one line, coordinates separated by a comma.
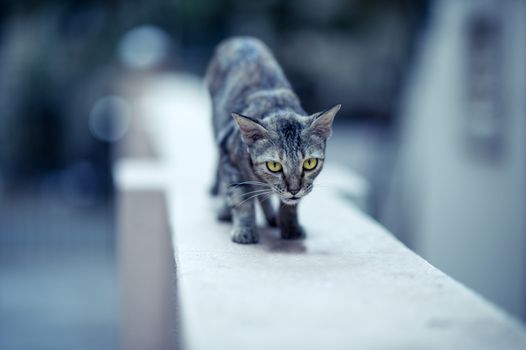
[(292, 232), (245, 235)]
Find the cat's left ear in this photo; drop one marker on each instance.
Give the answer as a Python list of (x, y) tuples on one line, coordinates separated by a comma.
[(322, 123), (250, 129)]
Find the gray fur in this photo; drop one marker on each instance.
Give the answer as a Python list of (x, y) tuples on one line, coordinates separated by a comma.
[(258, 118)]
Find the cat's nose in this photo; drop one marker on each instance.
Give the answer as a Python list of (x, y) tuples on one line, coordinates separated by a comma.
[(294, 191)]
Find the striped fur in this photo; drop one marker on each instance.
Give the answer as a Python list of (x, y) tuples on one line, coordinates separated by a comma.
[(258, 118)]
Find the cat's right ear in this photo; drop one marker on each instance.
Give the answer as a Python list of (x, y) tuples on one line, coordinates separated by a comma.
[(250, 129)]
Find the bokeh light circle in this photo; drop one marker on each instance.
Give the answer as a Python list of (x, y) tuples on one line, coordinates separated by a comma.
[(143, 47), (110, 118)]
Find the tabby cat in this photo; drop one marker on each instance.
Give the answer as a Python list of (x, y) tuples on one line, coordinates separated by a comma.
[(267, 144)]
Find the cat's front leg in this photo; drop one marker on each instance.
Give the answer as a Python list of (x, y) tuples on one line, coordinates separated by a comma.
[(244, 230), (242, 208), (268, 210), (243, 219), (288, 222)]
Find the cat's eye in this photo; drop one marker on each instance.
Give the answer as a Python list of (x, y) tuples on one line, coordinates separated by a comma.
[(275, 167), (310, 163)]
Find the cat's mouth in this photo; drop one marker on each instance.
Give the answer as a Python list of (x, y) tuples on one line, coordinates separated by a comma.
[(291, 201)]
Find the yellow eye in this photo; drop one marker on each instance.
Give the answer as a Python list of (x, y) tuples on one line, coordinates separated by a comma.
[(274, 166), (310, 163)]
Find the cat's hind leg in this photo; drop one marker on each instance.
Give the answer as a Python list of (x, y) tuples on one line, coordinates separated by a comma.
[(215, 188), (225, 211)]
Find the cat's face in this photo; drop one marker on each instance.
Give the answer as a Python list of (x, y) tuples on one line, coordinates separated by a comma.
[(287, 150)]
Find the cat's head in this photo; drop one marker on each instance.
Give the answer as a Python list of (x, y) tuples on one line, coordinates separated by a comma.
[(287, 149)]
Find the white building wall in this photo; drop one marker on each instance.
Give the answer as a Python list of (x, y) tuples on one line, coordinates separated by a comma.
[(465, 212)]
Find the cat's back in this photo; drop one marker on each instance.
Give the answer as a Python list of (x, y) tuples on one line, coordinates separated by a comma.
[(244, 77), (243, 65)]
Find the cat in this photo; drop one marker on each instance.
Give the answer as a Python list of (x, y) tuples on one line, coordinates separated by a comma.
[(267, 144)]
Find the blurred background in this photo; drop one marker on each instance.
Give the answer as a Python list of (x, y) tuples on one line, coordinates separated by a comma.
[(433, 118)]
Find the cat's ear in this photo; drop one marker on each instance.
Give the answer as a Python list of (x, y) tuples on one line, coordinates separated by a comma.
[(251, 130), (322, 123)]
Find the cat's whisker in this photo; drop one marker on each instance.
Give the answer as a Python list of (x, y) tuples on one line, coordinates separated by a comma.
[(249, 182), (267, 197), (249, 198), (252, 197), (253, 183), (252, 192)]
